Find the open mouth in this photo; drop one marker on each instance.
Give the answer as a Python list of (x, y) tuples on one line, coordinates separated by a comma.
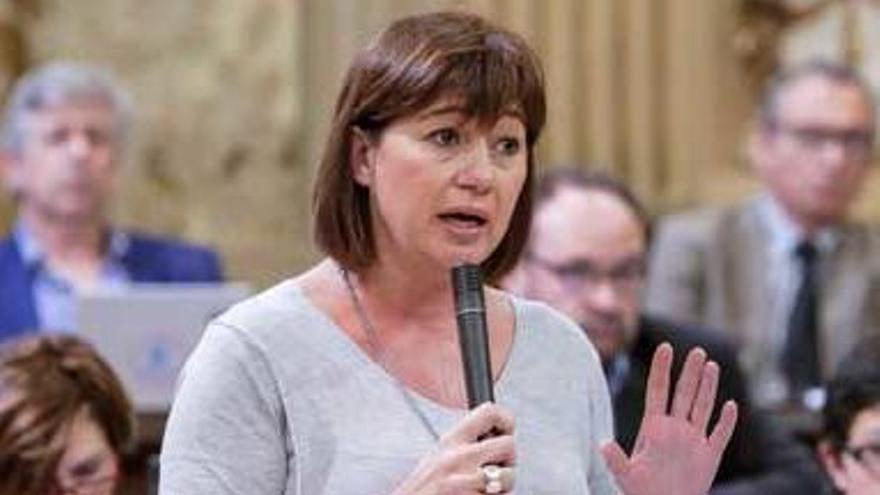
[(463, 219)]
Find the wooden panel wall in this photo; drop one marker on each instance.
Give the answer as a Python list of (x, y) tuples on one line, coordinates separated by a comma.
[(640, 86), (235, 98)]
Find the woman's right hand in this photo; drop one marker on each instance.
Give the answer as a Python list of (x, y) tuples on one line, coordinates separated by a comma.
[(455, 465)]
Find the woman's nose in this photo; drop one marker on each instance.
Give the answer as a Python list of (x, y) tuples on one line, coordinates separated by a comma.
[(476, 170)]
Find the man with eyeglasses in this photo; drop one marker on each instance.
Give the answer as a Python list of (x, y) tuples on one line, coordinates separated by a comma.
[(850, 448), (586, 257), (786, 273)]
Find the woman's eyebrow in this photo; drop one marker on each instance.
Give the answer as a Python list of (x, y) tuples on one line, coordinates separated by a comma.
[(452, 108)]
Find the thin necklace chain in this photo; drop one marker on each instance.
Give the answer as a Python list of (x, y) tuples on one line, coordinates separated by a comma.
[(382, 356)]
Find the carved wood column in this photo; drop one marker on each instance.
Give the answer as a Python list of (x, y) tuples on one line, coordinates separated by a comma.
[(14, 60), (641, 53)]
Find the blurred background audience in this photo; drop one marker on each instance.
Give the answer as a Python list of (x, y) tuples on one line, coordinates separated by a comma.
[(786, 273), (229, 129), (587, 257), (63, 138), (65, 421), (850, 445)]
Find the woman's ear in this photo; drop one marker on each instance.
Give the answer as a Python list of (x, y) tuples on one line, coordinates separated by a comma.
[(833, 466), (361, 158)]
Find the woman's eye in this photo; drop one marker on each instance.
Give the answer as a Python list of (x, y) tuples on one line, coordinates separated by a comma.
[(444, 137), (86, 469), (509, 146)]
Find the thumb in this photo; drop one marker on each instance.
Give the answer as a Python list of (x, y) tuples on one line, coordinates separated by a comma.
[(615, 458)]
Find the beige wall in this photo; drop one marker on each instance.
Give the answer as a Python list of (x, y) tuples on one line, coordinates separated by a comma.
[(234, 99), (650, 88), (219, 89)]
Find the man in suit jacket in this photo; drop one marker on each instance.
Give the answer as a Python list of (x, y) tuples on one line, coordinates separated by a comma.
[(586, 257), (737, 268), (64, 133)]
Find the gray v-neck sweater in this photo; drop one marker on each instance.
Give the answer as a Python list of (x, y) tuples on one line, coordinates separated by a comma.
[(277, 399)]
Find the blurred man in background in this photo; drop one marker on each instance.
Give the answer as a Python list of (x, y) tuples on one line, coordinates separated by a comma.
[(586, 257), (785, 272), (63, 138)]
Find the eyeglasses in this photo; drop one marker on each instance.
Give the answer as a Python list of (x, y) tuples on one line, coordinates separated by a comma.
[(868, 455), (625, 278), (856, 143)]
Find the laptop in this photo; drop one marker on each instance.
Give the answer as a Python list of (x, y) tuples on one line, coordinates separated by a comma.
[(146, 332)]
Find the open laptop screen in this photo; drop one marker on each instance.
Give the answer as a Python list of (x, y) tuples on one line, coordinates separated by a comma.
[(146, 332)]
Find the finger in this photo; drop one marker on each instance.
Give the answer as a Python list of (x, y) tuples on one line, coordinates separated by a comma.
[(688, 382), (479, 422), (705, 396), (472, 481), (724, 428), (615, 459), (496, 450), (657, 395)]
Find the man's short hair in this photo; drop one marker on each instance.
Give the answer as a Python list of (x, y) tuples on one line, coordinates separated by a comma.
[(832, 71), (58, 83), (590, 179)]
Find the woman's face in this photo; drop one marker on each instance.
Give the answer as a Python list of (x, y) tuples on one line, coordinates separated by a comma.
[(442, 186), (89, 465), (857, 470)]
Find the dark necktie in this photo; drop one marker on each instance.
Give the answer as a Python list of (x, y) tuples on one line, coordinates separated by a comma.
[(800, 357)]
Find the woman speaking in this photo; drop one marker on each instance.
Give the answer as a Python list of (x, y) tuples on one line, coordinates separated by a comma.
[(347, 379)]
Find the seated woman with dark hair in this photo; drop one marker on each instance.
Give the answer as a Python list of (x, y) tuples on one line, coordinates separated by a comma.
[(65, 419), (850, 448)]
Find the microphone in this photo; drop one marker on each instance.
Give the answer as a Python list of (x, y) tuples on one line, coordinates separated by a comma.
[(470, 312)]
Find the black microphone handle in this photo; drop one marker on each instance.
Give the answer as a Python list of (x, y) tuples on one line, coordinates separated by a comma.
[(470, 311)]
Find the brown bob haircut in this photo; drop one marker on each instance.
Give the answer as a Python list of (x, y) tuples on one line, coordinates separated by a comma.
[(411, 64), (45, 382)]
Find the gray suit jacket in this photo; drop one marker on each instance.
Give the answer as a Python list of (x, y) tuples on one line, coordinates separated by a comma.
[(710, 267)]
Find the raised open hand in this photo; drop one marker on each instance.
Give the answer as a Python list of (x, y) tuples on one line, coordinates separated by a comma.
[(672, 454)]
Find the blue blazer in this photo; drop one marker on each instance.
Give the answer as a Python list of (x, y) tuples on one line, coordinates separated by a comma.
[(148, 259)]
